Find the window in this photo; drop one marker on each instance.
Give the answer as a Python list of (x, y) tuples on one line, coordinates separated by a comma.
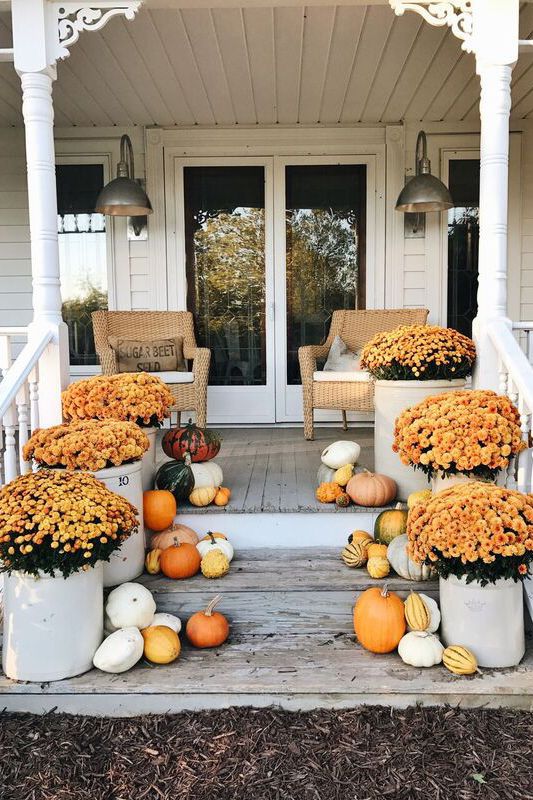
[(463, 239), (82, 255)]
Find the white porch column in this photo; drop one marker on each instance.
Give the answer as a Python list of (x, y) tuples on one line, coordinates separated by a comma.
[(495, 41), (38, 116)]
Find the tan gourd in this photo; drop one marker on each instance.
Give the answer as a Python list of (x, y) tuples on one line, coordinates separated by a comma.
[(460, 660), (416, 613), (375, 549), (378, 567), (161, 644), (202, 496), (152, 562), (343, 475), (215, 564), (354, 554)]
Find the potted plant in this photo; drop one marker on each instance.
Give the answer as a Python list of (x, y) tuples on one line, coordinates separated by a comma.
[(113, 452), (128, 397), (56, 530), (457, 437), (479, 539), (408, 364)]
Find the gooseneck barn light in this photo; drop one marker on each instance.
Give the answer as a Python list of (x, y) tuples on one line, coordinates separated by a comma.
[(124, 196), (424, 192)]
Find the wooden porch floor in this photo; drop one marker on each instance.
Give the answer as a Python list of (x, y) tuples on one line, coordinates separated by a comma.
[(291, 644), (274, 469)]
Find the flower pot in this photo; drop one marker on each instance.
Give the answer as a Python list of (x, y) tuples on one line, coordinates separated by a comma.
[(127, 562), (390, 399), (489, 620), (438, 483), (148, 460), (52, 625)]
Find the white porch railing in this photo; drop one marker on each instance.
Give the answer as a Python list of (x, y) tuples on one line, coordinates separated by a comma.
[(516, 381), (19, 397)]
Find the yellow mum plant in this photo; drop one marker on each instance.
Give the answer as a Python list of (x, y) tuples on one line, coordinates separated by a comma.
[(88, 444), (60, 521), (419, 352), (479, 530), (476, 432), (127, 397)]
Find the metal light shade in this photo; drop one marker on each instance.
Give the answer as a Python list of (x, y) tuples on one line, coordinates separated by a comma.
[(124, 196), (424, 192)]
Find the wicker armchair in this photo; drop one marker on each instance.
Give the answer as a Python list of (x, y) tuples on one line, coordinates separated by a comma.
[(355, 328), (145, 325)]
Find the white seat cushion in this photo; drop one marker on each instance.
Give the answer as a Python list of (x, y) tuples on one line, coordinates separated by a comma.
[(355, 376), (174, 377)]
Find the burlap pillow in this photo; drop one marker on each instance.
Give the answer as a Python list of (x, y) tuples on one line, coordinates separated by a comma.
[(159, 355)]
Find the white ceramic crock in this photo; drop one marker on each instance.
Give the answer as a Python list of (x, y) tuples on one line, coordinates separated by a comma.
[(126, 563), (438, 483), (390, 399), (148, 460), (52, 626), (489, 620)]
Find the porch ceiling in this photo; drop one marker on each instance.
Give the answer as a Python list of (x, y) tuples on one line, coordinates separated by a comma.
[(278, 65)]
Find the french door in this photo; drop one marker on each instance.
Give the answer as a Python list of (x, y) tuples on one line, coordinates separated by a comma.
[(262, 250)]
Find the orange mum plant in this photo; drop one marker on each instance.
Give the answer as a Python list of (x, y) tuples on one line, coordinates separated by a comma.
[(474, 432), (419, 352), (88, 444), (60, 521), (127, 397), (479, 530)]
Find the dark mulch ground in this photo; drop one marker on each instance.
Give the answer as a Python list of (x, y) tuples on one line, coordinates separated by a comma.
[(245, 754)]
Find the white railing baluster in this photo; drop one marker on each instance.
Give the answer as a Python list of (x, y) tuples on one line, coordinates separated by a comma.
[(523, 471), (10, 441), (22, 404), (33, 383)]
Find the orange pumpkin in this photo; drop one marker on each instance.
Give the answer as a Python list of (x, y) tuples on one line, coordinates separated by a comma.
[(376, 550), (180, 561), (359, 536), (167, 537), (371, 489), (208, 628), (222, 496), (159, 509), (328, 492), (379, 620)]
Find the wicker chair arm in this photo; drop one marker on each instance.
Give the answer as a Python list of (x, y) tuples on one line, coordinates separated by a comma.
[(108, 360), (201, 358), (307, 356)]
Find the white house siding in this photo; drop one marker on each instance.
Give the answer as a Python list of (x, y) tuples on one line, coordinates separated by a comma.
[(526, 282)]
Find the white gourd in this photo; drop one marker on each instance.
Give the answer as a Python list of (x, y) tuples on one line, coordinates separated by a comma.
[(168, 620), (420, 649), (338, 454), (129, 605), (223, 545), (434, 613), (324, 474), (207, 473), (119, 651), (404, 566)]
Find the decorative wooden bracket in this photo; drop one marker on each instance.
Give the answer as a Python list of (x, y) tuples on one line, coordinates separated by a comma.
[(457, 16), (72, 18)]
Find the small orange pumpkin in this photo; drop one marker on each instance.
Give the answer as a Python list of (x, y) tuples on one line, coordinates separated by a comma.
[(222, 496), (328, 492), (159, 509), (208, 628), (379, 620), (166, 538), (180, 561), (359, 536), (371, 489), (376, 550)]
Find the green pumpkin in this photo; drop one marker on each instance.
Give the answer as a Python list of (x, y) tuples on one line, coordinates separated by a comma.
[(177, 477), (390, 524)]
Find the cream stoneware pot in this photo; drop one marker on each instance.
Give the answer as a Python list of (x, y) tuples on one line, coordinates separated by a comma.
[(390, 399), (148, 460), (126, 563), (438, 483), (52, 625), (489, 620)]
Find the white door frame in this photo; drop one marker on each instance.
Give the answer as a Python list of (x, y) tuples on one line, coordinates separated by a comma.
[(227, 404), (289, 406)]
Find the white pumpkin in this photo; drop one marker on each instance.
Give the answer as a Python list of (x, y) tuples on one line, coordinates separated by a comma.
[(420, 649), (434, 613), (216, 543), (207, 473), (340, 453), (404, 566), (168, 620), (119, 651), (129, 605), (324, 474)]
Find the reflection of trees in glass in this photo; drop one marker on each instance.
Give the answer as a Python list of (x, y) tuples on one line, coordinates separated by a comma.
[(230, 293), (322, 274), (77, 315), (463, 240)]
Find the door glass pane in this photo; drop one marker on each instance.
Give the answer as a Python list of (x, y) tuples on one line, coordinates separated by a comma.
[(463, 238), (325, 222), (225, 258), (82, 254)]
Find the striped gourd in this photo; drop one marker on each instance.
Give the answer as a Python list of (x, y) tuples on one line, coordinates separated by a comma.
[(459, 660), (417, 613), (354, 554)]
